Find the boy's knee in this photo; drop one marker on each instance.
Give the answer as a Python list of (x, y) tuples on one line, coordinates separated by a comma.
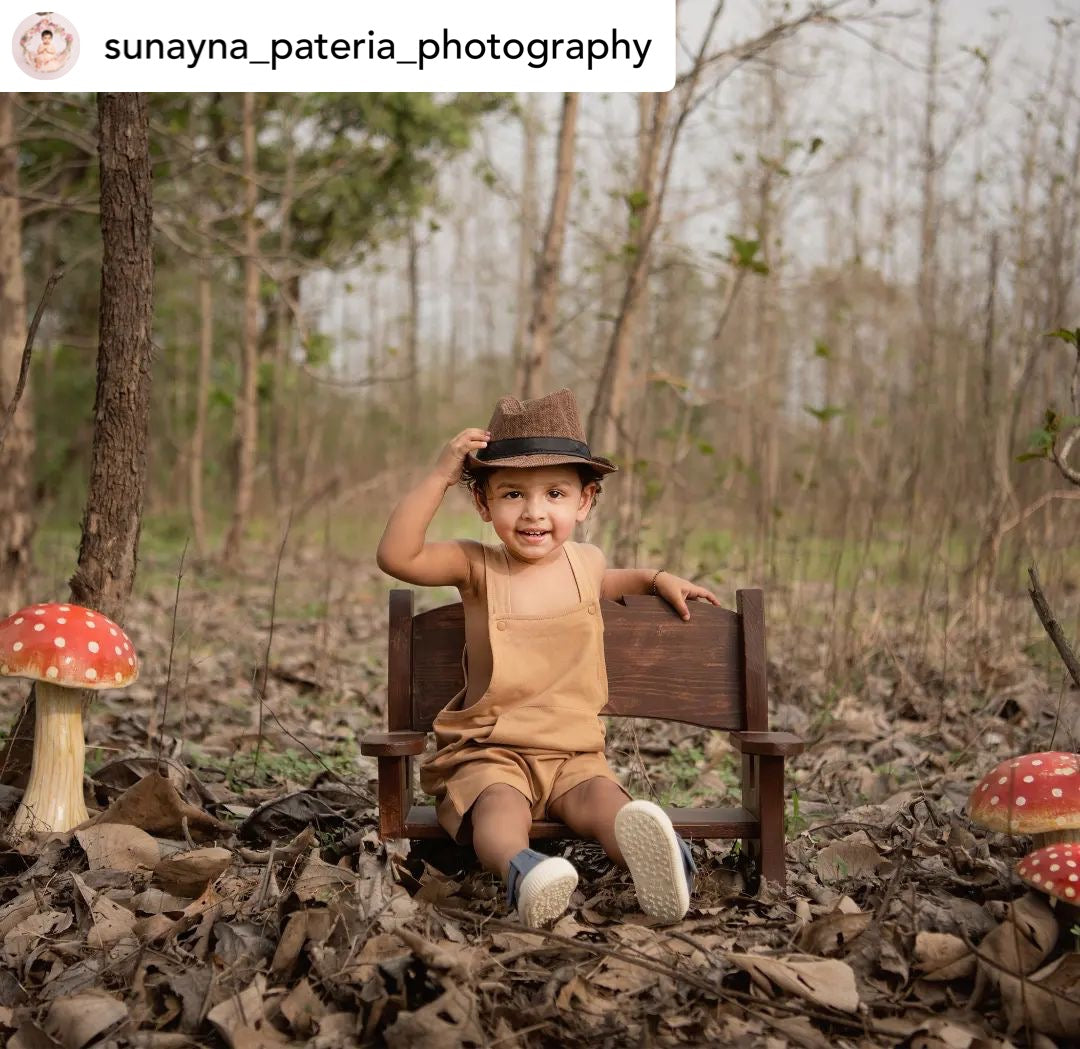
[(501, 796)]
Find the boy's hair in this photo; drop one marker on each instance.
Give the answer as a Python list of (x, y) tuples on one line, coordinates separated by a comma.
[(475, 478), (45, 33)]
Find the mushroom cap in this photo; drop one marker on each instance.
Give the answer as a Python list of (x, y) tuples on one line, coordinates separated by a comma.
[(67, 645), (1053, 869), (1032, 794)]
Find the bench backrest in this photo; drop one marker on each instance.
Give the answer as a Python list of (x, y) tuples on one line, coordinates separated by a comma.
[(709, 671)]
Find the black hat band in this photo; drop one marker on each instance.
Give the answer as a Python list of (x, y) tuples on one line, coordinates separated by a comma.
[(515, 446)]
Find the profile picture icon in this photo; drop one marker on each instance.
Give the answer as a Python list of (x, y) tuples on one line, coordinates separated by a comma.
[(45, 45)]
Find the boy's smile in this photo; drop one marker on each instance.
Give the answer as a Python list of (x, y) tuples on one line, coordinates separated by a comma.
[(534, 509)]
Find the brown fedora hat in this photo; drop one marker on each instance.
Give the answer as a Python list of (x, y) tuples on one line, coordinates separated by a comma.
[(546, 431)]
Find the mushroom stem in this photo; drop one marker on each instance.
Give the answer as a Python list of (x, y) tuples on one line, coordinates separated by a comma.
[(53, 800)]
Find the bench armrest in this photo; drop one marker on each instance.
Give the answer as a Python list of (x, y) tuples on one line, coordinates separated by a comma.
[(393, 744), (767, 744)]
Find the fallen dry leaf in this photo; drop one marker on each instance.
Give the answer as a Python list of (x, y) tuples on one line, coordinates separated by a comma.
[(154, 805), (82, 1018), (118, 846), (449, 1022), (1019, 945), (242, 1021), (322, 882), (1050, 1000), (851, 857), (832, 933), (827, 982), (942, 956), (188, 873)]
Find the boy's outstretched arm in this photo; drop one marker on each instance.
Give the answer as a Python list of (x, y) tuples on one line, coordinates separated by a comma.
[(672, 588), (403, 550)]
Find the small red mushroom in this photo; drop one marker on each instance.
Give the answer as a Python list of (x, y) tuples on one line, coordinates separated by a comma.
[(1054, 869), (65, 648), (1036, 794)]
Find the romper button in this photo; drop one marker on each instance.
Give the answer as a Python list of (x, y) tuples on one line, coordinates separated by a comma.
[(501, 625), (592, 610)]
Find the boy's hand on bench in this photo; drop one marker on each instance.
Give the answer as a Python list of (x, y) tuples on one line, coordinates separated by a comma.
[(676, 591)]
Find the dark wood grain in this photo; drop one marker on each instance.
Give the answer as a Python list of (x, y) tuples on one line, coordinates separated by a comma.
[(400, 685), (751, 606), (392, 744), (690, 823), (395, 795), (658, 665), (786, 744)]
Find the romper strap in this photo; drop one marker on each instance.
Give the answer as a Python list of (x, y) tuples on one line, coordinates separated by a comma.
[(497, 581), (582, 576)]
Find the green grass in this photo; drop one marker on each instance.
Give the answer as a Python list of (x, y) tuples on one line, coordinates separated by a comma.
[(684, 769), (274, 767)]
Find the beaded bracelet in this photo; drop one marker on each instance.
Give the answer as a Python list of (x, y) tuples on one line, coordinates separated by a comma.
[(652, 585)]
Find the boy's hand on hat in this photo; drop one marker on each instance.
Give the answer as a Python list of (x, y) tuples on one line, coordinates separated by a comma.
[(676, 591), (452, 457)]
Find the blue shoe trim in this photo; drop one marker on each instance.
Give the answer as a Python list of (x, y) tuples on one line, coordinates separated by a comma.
[(520, 865), (689, 866)]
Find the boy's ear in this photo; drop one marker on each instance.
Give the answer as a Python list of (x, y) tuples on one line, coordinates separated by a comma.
[(588, 493), (480, 501)]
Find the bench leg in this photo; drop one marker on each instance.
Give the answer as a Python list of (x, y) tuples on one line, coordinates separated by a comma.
[(395, 795), (763, 795)]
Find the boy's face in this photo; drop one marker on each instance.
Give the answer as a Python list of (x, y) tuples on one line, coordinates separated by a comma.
[(534, 508)]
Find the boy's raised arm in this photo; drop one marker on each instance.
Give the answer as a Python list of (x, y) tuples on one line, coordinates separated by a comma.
[(403, 550)]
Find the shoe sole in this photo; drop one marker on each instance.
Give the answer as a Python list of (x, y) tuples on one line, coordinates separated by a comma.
[(650, 847), (545, 891)]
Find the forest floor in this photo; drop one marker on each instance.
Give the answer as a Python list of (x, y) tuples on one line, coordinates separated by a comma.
[(296, 926)]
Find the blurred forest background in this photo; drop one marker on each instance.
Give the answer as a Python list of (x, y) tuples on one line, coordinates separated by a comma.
[(806, 300)]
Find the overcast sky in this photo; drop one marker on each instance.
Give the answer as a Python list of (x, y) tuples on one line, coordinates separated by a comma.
[(839, 84)]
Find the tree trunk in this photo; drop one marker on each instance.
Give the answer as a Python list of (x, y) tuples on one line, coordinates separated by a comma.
[(546, 286), (529, 219), (644, 202), (16, 457), (196, 460), (280, 477), (247, 418), (114, 502), (412, 332)]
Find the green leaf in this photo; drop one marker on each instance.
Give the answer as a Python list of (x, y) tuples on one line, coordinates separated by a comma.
[(744, 254), (1071, 337), (815, 144), (638, 200), (821, 349), (823, 415), (705, 448)]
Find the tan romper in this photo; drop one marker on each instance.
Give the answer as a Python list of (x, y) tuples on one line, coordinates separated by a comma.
[(536, 727)]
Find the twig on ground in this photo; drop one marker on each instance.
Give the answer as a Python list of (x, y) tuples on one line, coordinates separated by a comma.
[(1053, 627), (172, 645), (269, 640)]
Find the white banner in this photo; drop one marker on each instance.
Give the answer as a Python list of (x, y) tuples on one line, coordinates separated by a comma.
[(413, 45)]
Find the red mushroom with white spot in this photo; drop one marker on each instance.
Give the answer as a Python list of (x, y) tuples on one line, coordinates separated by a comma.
[(1036, 794), (1055, 870), (64, 648)]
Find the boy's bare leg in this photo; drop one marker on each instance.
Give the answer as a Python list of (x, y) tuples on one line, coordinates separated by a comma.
[(589, 810), (501, 818)]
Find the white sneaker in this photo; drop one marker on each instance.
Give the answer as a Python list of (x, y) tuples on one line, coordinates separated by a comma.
[(658, 859), (543, 889)]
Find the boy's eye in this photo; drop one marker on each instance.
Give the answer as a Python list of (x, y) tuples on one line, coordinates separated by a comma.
[(555, 493)]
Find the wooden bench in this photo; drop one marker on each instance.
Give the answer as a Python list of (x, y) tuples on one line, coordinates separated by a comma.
[(709, 671)]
